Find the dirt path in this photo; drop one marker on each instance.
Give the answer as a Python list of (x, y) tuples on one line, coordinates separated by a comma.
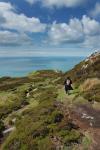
[(88, 115), (84, 115), (88, 120)]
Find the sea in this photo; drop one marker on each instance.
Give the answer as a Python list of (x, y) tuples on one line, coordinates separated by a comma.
[(22, 66)]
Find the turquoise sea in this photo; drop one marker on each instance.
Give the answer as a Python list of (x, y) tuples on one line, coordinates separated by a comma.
[(21, 66)]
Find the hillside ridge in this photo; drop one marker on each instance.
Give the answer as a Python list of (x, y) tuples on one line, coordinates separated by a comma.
[(36, 113)]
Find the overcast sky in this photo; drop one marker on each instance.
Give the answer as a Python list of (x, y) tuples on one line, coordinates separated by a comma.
[(49, 27)]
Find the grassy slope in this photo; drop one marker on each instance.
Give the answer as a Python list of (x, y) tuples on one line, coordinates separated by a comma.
[(80, 75), (41, 122)]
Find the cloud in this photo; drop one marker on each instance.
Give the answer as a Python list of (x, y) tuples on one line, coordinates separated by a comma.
[(5, 6), (19, 22), (31, 1), (95, 12), (90, 26), (9, 38), (63, 32), (83, 31), (92, 42), (60, 3), (15, 28)]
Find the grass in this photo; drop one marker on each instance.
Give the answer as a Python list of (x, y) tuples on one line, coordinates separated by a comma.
[(93, 94), (86, 142), (63, 97), (89, 84), (18, 113), (74, 98), (41, 119), (10, 101)]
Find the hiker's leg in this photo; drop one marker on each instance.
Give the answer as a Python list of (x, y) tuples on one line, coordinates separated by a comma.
[(68, 92), (65, 89)]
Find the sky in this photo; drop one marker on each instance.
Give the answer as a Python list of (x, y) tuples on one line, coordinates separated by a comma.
[(49, 27)]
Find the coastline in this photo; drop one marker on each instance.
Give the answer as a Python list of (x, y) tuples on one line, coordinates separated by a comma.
[(22, 66)]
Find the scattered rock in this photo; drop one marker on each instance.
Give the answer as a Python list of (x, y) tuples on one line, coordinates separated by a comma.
[(8, 130), (28, 95)]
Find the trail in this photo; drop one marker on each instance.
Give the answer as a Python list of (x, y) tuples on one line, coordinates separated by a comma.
[(83, 114)]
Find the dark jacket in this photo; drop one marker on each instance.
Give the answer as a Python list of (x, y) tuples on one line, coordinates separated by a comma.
[(68, 86)]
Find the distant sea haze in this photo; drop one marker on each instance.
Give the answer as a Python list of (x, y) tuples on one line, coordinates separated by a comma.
[(21, 66)]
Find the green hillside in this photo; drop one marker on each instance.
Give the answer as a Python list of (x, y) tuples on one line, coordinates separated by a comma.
[(36, 114)]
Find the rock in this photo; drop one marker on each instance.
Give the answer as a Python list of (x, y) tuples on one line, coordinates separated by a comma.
[(8, 130), (35, 89), (14, 120), (84, 66), (28, 95)]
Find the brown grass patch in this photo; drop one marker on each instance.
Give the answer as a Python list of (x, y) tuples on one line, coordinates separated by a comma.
[(89, 84)]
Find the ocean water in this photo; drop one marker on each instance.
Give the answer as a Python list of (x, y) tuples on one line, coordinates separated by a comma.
[(21, 66)]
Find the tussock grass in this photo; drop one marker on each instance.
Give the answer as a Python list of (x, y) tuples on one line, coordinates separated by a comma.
[(89, 84)]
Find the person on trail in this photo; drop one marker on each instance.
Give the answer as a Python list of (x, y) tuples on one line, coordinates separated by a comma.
[(68, 85)]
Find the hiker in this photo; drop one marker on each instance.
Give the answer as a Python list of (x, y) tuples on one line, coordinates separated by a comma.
[(68, 85)]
